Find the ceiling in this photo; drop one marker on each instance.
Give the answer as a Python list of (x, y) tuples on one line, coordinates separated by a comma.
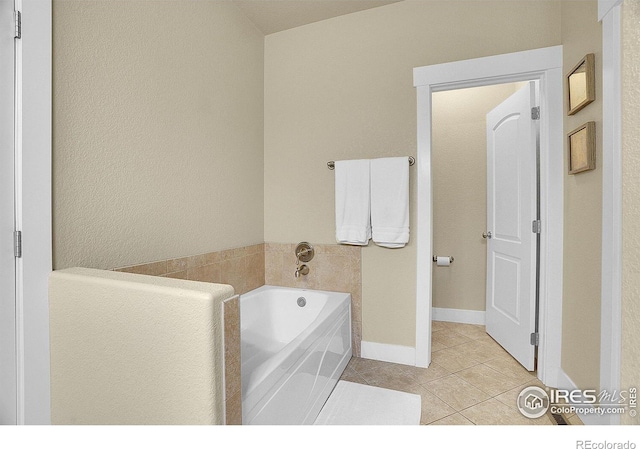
[(271, 16)]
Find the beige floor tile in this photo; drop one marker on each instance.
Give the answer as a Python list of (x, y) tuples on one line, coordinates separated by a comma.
[(485, 350), (472, 331), (351, 375), (433, 408), (362, 365), (469, 350), (449, 338), (508, 366), (453, 420), (390, 377), (438, 326), (510, 397), (423, 375), (451, 360), (494, 412), (487, 379), (456, 392), (437, 346), (478, 393)]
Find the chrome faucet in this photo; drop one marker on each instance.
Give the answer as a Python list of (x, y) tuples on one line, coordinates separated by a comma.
[(302, 270)]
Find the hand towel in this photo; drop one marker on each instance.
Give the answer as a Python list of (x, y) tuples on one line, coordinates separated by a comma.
[(353, 217), (390, 201)]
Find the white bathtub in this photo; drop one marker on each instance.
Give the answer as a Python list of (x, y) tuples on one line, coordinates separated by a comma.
[(292, 356)]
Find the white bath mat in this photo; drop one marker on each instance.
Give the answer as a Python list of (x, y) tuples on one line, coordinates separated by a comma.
[(352, 404)]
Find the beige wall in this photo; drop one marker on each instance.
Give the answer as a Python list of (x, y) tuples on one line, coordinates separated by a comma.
[(582, 34), (459, 161), (630, 200), (158, 137), (157, 131), (343, 89)]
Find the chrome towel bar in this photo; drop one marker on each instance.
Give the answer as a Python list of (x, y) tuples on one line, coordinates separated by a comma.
[(332, 165)]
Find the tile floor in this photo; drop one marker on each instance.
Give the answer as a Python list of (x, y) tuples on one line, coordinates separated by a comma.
[(471, 379)]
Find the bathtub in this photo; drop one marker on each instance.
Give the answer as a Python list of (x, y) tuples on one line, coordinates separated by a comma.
[(292, 355)]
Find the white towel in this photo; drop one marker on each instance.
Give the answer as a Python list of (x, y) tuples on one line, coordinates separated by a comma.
[(390, 201), (353, 205)]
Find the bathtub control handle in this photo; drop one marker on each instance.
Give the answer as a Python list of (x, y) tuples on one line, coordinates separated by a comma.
[(304, 252), (302, 270)]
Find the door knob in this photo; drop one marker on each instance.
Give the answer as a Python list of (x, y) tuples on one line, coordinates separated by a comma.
[(486, 235)]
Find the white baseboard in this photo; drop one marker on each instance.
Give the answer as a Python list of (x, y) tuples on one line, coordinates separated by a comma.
[(458, 315), (565, 383), (406, 355)]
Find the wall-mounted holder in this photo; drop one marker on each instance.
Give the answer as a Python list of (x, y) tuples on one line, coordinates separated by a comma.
[(443, 261)]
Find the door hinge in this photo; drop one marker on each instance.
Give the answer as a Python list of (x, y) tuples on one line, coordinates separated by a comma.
[(535, 226), (17, 244), (535, 339), (18, 33), (535, 113)]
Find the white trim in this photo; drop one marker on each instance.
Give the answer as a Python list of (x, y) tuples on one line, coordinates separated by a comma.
[(565, 383), (544, 65), (8, 362), (405, 355), (424, 233), (19, 195), (458, 315), (604, 6), (611, 293), (36, 211)]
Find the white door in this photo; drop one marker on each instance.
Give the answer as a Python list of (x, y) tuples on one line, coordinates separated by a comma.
[(8, 376), (511, 210)]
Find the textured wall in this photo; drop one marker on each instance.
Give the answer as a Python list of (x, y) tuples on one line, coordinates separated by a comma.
[(129, 349), (343, 89), (582, 34), (459, 160), (157, 131), (630, 199)]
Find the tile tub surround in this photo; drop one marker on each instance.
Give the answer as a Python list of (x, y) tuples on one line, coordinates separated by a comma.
[(232, 362), (242, 268), (334, 268)]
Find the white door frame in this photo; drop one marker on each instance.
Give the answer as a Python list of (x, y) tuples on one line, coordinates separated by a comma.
[(544, 65), (8, 362), (33, 210), (611, 308)]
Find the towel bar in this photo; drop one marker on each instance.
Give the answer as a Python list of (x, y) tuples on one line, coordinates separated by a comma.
[(332, 165)]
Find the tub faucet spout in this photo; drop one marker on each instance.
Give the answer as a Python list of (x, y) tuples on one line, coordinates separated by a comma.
[(302, 270)]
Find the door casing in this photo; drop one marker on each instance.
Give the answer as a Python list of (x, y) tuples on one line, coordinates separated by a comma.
[(8, 352), (545, 66)]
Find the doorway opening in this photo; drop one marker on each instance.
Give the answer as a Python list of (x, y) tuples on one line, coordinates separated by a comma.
[(545, 67), (485, 202)]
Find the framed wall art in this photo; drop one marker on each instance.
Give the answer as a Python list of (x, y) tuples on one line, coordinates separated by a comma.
[(581, 144), (581, 84)]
